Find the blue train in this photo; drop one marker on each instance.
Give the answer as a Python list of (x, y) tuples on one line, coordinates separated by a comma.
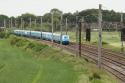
[(43, 35)]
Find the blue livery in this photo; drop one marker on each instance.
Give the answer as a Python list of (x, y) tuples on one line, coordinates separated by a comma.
[(43, 35)]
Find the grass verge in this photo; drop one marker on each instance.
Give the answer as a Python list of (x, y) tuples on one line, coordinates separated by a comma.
[(32, 62)]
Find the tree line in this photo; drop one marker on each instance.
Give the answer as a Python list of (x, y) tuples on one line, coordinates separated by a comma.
[(90, 16)]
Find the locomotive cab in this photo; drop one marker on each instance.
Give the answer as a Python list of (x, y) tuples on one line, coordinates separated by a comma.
[(65, 39)]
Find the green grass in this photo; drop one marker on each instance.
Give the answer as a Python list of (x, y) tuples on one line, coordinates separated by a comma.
[(111, 38), (19, 65)]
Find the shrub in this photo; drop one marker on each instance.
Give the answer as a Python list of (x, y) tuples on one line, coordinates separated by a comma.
[(95, 76), (17, 41), (30, 45), (2, 66), (4, 33), (38, 47), (13, 40), (27, 44), (22, 42), (103, 43)]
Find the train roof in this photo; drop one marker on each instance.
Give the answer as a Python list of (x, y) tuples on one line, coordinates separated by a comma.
[(36, 31), (42, 32)]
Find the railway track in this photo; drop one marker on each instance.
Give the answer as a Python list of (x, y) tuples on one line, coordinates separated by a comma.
[(113, 62)]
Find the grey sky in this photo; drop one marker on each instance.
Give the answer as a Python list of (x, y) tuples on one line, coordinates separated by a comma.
[(40, 7)]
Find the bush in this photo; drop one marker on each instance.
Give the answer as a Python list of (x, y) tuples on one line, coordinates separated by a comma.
[(4, 33), (38, 47), (22, 42), (95, 76), (19, 42), (27, 44), (2, 66), (30, 45), (13, 40), (103, 43)]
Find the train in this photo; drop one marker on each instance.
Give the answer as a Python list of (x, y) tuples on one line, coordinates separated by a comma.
[(58, 38)]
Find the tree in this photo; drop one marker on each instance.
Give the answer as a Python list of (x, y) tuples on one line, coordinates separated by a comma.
[(2, 18), (47, 17), (26, 19), (71, 19), (56, 17), (90, 15)]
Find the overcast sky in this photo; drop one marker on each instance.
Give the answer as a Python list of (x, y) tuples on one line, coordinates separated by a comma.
[(40, 7)]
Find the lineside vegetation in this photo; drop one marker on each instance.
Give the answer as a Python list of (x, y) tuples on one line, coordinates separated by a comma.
[(29, 61)]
